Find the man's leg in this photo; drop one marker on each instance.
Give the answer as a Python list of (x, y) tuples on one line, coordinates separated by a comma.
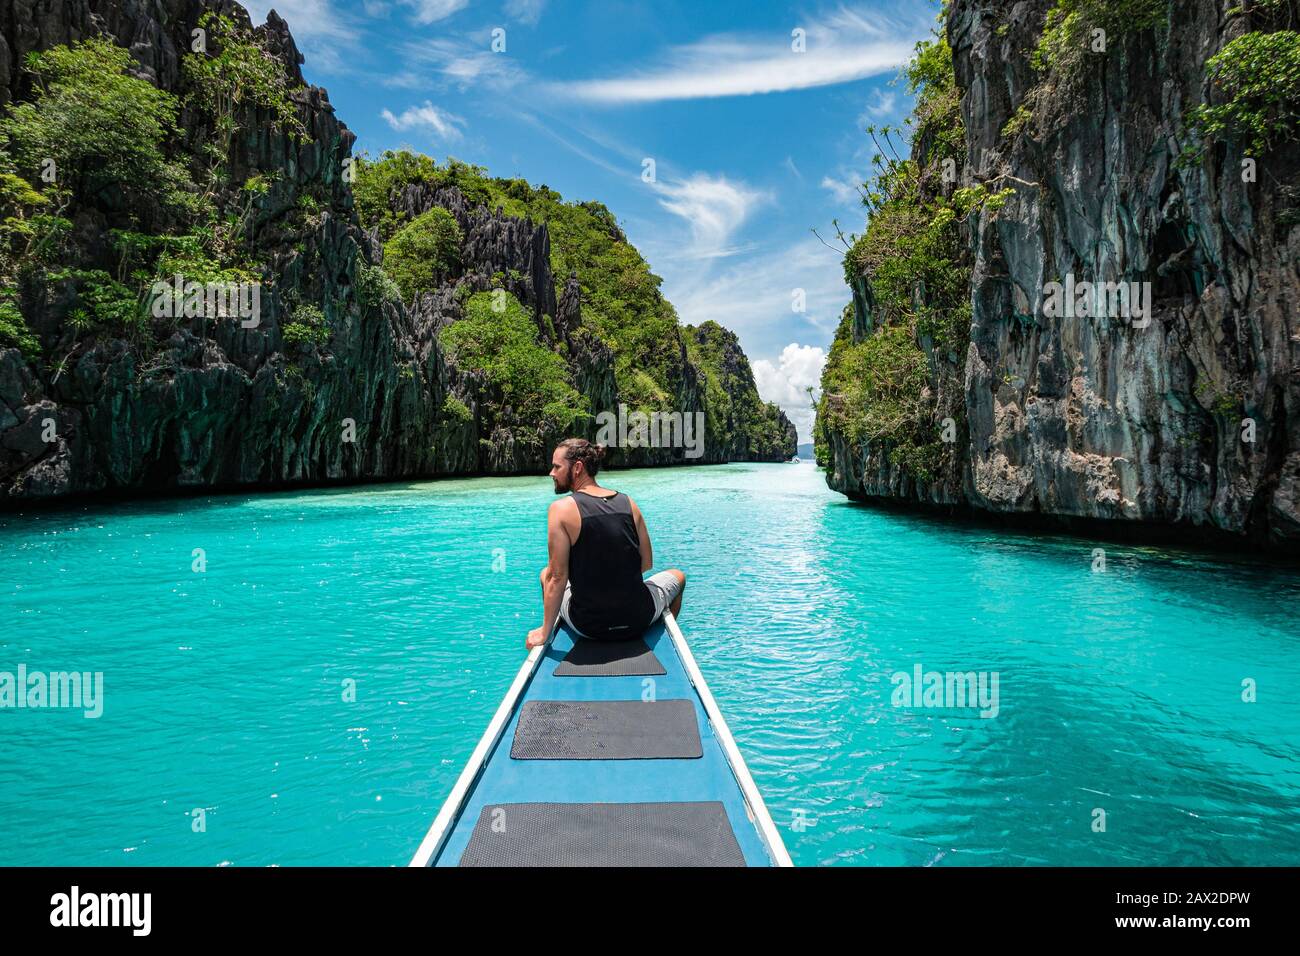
[(676, 606), (671, 582)]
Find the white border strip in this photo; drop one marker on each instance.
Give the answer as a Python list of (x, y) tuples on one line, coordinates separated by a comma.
[(442, 823), (767, 830)]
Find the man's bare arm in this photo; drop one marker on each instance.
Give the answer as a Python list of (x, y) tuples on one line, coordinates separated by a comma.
[(647, 552), (557, 567)]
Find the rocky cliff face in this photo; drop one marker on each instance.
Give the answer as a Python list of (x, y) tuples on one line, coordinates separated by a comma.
[(731, 399), (1187, 415), (216, 404), (514, 254)]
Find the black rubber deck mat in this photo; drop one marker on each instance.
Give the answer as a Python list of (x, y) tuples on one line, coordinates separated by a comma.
[(603, 834), (606, 730), (610, 659)]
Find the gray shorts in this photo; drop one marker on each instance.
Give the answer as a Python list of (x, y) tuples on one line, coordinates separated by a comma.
[(664, 587)]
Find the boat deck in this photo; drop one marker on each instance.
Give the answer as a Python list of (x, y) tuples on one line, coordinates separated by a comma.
[(547, 797)]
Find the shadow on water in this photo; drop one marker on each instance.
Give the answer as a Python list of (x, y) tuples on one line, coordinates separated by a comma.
[(1203, 544), (1266, 585)]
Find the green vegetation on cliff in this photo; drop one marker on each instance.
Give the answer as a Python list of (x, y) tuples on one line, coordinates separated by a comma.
[(97, 142), (378, 181), (620, 295), (14, 332), (1073, 28), (1257, 79), (732, 402), (92, 131), (138, 187), (498, 339), (94, 128), (238, 74), (622, 306), (422, 254), (914, 285)]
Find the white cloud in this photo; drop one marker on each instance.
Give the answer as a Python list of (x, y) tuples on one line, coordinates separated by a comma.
[(431, 11), (844, 46), (714, 207), (844, 189), (322, 32), (525, 11), (881, 105), (428, 117), (461, 61), (467, 69), (786, 380), (754, 296)]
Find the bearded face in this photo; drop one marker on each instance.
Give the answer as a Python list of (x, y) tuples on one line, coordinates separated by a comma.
[(562, 473)]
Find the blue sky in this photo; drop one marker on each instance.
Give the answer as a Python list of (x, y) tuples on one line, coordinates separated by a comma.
[(754, 144)]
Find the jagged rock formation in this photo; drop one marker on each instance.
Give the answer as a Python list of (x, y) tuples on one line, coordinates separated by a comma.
[(1116, 418), (216, 404), (514, 254), (732, 398)]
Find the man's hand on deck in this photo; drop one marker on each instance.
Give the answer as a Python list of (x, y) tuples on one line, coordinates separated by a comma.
[(535, 637)]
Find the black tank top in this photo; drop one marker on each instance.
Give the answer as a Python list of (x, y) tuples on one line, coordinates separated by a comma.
[(609, 600)]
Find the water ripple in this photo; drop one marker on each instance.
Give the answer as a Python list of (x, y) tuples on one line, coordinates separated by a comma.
[(315, 691)]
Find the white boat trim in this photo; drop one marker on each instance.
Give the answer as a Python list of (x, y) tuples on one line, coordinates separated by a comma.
[(433, 841), (767, 830)]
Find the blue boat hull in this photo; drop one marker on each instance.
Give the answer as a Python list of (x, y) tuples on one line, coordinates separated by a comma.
[(500, 779)]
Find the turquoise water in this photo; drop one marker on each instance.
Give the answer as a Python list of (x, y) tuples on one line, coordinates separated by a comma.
[(225, 690)]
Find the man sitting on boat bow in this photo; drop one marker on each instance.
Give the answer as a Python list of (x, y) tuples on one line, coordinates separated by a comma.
[(598, 548)]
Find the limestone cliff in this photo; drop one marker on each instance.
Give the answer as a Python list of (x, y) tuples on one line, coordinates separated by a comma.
[(336, 382), (1082, 119)]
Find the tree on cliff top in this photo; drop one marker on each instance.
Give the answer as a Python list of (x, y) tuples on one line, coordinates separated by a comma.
[(424, 253), (102, 128), (242, 74), (497, 338)]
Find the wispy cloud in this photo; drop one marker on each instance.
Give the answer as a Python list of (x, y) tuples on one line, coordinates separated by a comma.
[(841, 47), (431, 11), (321, 29), (785, 381), (440, 123), (550, 127), (525, 11), (881, 105), (461, 61), (845, 188), (714, 207), (710, 209)]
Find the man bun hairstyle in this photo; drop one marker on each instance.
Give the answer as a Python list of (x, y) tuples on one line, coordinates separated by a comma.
[(589, 453)]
